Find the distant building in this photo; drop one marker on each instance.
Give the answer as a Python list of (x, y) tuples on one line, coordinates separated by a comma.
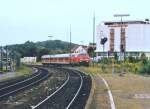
[(134, 38), (6, 60), (79, 49), (28, 60)]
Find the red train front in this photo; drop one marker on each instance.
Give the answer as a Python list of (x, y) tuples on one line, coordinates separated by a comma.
[(61, 59)]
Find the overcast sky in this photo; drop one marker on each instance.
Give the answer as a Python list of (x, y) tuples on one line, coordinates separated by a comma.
[(35, 20)]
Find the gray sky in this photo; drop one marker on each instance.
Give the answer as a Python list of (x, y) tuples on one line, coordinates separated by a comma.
[(35, 20)]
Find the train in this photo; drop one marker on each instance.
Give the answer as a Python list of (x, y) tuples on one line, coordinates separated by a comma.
[(66, 59)]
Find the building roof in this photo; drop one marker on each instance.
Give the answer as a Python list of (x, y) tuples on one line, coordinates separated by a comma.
[(77, 46), (126, 22), (3, 50)]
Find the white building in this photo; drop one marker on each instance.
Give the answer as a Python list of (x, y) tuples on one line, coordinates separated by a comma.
[(28, 60), (135, 36), (79, 49)]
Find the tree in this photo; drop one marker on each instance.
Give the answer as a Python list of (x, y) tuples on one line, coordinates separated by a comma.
[(116, 56), (42, 52), (90, 51), (143, 58)]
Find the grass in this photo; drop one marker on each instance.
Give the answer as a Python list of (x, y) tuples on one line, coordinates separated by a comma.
[(91, 70), (4, 69), (123, 88), (23, 70)]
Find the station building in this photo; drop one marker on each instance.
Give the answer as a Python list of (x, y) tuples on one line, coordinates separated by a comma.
[(28, 60), (132, 36)]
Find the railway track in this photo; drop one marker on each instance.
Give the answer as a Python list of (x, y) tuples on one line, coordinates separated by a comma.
[(71, 90), (12, 87), (75, 89)]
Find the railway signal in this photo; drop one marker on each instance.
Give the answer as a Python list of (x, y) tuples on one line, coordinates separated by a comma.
[(103, 40)]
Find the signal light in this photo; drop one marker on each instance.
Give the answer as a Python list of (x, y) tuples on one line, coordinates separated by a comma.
[(103, 40)]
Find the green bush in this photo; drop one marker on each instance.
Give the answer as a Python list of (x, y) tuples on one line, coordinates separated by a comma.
[(106, 61), (145, 69), (133, 59), (131, 66), (144, 59)]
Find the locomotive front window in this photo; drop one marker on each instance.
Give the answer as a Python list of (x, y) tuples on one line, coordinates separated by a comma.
[(82, 55)]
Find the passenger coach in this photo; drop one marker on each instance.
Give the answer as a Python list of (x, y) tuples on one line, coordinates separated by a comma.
[(66, 59)]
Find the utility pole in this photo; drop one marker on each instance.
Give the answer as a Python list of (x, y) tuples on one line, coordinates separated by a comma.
[(122, 40), (122, 43), (1, 58), (93, 36), (70, 44), (50, 40), (6, 58)]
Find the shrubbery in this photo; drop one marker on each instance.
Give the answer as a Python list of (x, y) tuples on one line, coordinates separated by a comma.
[(106, 61), (131, 64), (145, 69)]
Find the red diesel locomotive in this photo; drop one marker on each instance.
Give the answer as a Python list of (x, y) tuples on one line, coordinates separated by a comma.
[(66, 59)]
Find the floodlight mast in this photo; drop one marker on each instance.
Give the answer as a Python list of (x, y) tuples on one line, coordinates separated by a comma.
[(122, 49), (70, 35), (93, 36), (121, 15), (51, 50)]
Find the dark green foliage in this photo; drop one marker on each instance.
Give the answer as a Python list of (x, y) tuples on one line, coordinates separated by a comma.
[(55, 45), (116, 56), (106, 61), (41, 52), (90, 51), (30, 49), (145, 69), (133, 59), (143, 58)]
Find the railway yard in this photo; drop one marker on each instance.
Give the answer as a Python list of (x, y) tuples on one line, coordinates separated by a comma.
[(47, 88), (51, 87)]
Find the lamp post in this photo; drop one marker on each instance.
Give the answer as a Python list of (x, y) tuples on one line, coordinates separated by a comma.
[(50, 54), (93, 36), (81, 43), (50, 37), (6, 57), (122, 44), (1, 58), (70, 43)]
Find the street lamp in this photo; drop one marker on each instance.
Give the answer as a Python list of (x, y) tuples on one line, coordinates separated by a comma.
[(50, 39), (122, 44), (1, 58), (70, 44), (6, 57), (93, 36), (81, 43)]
